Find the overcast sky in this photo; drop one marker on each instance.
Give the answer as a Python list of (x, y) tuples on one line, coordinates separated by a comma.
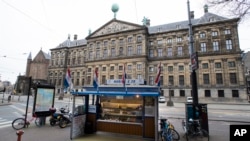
[(30, 25)]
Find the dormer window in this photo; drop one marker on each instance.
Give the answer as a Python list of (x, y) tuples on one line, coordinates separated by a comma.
[(159, 29), (211, 19), (178, 26)]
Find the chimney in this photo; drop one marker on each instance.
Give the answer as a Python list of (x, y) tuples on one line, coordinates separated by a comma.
[(75, 37), (68, 36), (148, 22), (192, 14), (205, 8)]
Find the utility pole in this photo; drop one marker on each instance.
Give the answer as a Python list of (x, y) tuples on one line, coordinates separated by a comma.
[(193, 59)]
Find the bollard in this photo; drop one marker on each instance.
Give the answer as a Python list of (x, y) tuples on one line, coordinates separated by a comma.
[(19, 134)]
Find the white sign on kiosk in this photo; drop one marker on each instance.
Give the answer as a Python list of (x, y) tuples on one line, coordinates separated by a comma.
[(128, 81)]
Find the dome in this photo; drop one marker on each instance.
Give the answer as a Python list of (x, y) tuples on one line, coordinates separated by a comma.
[(115, 7)]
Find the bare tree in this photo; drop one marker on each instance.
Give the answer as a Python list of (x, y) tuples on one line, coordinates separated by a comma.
[(238, 8)]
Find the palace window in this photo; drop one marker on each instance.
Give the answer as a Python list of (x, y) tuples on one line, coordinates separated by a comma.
[(139, 66), (170, 52), (113, 52), (205, 65), (170, 68), (105, 53), (179, 39), (103, 68), (219, 79), (139, 38), (214, 33), (233, 78), (130, 50), (105, 43), (169, 40), (160, 54), (129, 39), (216, 46), (179, 53), (129, 67), (229, 45), (151, 53), (139, 49), (202, 35), (98, 54), (231, 64), (159, 42), (181, 68), (203, 47), (206, 79), (217, 65), (235, 93), (181, 80), (227, 31), (151, 69)]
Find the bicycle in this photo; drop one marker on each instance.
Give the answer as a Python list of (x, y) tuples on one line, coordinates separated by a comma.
[(20, 123), (167, 132), (194, 131)]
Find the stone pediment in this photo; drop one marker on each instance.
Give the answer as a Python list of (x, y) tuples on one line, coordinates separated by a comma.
[(115, 26)]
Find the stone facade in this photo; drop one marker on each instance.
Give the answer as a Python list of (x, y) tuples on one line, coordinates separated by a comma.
[(141, 48)]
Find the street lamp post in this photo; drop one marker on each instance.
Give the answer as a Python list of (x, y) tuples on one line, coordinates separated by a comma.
[(193, 59), (170, 102)]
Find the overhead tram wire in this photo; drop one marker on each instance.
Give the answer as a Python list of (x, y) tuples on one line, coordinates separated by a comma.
[(136, 12), (34, 20)]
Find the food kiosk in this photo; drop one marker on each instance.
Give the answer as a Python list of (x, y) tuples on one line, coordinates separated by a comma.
[(130, 110)]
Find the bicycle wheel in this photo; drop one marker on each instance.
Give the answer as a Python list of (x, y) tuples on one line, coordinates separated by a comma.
[(175, 134), (204, 135), (18, 123)]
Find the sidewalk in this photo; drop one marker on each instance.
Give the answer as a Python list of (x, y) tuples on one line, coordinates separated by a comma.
[(56, 133)]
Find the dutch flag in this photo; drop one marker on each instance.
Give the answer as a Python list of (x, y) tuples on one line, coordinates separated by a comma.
[(95, 78), (67, 80), (124, 76), (158, 77)]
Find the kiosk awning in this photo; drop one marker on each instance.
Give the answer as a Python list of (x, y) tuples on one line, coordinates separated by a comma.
[(116, 93), (131, 91)]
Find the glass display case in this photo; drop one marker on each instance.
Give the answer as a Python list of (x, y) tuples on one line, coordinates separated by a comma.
[(121, 108)]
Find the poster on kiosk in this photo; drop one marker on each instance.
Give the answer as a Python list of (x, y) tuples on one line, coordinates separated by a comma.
[(43, 100)]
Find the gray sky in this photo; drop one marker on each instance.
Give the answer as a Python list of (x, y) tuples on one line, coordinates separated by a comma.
[(30, 25)]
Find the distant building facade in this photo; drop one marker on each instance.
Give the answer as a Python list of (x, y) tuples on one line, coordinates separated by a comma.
[(141, 48), (246, 63), (37, 69)]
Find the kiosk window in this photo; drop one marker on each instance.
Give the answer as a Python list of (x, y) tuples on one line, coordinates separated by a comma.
[(121, 108)]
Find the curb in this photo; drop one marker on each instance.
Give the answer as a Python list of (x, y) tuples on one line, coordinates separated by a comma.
[(213, 119)]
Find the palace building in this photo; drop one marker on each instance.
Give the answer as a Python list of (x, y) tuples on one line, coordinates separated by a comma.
[(141, 48)]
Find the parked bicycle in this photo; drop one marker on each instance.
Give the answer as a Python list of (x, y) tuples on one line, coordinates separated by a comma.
[(167, 132), (20, 123), (193, 130)]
